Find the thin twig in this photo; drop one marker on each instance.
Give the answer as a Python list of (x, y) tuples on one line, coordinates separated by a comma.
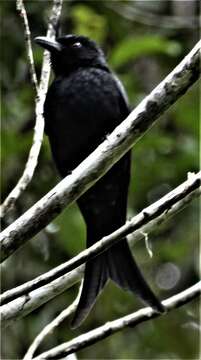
[(51, 326), (104, 157), (167, 208), (41, 91), (112, 327), (27, 33)]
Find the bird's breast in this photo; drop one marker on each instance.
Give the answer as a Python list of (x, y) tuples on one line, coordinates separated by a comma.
[(80, 110)]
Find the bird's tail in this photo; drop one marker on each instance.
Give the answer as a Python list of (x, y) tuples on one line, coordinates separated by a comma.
[(124, 271), (118, 264), (95, 277)]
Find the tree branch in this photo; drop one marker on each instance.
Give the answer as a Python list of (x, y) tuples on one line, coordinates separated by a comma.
[(41, 91), (49, 328), (22, 11), (58, 281), (104, 157), (25, 304), (112, 327)]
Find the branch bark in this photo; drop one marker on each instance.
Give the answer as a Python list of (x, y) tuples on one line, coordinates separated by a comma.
[(25, 304), (112, 327), (41, 91), (34, 293), (49, 328), (21, 8), (104, 157)]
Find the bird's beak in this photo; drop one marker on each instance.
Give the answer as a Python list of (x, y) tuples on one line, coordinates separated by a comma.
[(48, 44)]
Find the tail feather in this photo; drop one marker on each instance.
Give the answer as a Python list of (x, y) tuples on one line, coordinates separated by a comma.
[(118, 264), (124, 271), (95, 278)]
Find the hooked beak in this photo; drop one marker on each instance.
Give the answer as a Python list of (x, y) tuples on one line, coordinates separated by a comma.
[(48, 44)]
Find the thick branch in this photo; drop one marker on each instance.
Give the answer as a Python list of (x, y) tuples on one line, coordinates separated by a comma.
[(41, 91), (142, 223), (112, 327), (102, 159), (25, 304)]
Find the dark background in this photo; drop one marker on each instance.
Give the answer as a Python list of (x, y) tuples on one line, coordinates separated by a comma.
[(144, 41)]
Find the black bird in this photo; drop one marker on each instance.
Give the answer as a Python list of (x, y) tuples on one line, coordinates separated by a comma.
[(84, 103)]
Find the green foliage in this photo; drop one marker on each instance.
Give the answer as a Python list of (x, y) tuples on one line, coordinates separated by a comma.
[(88, 22), (71, 230), (131, 48)]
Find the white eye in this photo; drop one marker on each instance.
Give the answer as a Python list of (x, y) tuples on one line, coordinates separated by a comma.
[(77, 45)]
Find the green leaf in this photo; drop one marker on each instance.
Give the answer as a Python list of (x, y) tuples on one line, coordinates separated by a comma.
[(132, 48), (87, 22)]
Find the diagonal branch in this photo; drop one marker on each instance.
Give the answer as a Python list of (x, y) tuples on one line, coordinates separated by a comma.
[(104, 157), (34, 293), (41, 91), (110, 328), (25, 304)]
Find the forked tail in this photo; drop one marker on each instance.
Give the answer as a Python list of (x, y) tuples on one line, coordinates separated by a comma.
[(118, 264)]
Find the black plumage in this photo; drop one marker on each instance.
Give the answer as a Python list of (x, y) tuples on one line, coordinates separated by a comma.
[(85, 102)]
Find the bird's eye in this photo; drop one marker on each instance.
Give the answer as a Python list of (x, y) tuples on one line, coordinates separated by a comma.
[(77, 45)]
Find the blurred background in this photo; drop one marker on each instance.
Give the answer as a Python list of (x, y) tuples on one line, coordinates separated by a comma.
[(143, 41)]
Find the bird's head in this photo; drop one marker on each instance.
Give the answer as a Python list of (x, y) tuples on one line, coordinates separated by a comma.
[(70, 52)]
